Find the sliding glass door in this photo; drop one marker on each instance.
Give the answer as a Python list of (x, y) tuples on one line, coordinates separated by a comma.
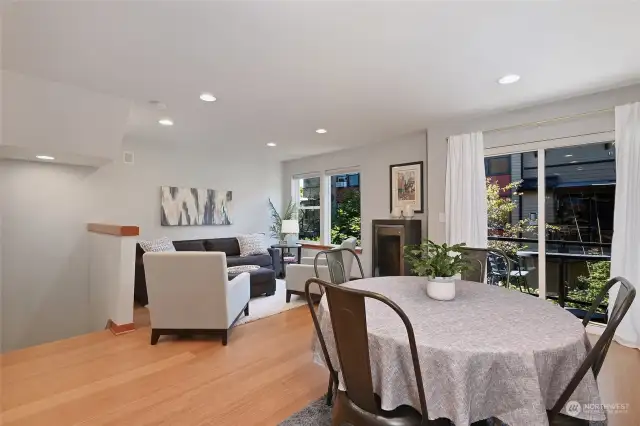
[(551, 212), (512, 203), (581, 195)]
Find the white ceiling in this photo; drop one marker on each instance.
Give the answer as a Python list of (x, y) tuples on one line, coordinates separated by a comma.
[(365, 71)]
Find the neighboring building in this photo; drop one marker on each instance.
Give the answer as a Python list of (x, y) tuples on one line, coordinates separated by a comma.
[(580, 186)]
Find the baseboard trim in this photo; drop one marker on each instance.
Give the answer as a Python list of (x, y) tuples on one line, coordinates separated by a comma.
[(119, 329)]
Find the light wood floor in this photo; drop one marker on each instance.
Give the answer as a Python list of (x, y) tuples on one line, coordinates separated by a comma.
[(264, 375)]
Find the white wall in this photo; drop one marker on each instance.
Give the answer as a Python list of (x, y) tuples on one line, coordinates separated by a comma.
[(45, 209), (75, 125), (373, 162), (437, 134), (111, 279)]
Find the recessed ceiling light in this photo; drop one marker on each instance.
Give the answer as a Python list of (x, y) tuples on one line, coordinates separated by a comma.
[(45, 157), (569, 155), (573, 162), (166, 122), (580, 168), (271, 144), (509, 78), (207, 97), (321, 131)]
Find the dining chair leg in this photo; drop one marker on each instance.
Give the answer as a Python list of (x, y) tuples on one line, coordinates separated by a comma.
[(330, 390)]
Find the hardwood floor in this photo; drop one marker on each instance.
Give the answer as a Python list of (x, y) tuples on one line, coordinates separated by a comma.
[(264, 375)]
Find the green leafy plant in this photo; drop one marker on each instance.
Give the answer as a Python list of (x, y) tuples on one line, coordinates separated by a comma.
[(290, 213), (500, 204), (346, 219), (429, 259), (589, 287)]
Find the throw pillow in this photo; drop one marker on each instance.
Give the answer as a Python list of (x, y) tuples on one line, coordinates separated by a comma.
[(251, 244), (235, 270), (161, 244)]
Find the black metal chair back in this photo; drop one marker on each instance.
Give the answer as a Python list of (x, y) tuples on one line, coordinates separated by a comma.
[(349, 323), (499, 268), (596, 356), (336, 264)]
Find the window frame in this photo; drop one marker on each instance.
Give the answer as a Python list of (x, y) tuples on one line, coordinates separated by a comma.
[(325, 200)]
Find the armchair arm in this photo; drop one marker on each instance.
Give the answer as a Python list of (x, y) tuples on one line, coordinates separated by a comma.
[(297, 276), (310, 260), (238, 294)]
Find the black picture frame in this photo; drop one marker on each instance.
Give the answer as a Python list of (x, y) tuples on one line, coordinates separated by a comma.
[(421, 180)]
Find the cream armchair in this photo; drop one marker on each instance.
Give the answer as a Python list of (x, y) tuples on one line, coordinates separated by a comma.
[(298, 274), (190, 293)]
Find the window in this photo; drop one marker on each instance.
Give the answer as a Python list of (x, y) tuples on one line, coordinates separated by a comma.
[(557, 228), (328, 207), (497, 166), (309, 208), (345, 207)]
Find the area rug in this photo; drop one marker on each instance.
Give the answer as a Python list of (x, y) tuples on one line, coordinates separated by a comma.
[(262, 307), (315, 414), (319, 414)]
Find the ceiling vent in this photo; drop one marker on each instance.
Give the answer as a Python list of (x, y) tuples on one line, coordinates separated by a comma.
[(127, 157)]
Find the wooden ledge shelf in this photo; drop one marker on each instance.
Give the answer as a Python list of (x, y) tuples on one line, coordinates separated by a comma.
[(323, 247), (117, 230)]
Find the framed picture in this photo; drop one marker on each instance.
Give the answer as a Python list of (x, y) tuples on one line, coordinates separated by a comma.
[(405, 184)]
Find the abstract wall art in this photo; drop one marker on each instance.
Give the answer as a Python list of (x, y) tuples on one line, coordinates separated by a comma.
[(195, 206)]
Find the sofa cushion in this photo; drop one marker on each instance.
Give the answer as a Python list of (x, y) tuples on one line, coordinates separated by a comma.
[(194, 245), (258, 259), (227, 245)]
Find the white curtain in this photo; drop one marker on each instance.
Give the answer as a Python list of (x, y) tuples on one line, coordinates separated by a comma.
[(466, 192), (625, 248)]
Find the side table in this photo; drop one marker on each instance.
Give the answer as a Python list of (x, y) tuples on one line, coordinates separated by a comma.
[(283, 252)]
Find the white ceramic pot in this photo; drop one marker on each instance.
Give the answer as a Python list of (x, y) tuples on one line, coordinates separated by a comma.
[(396, 213), (441, 288)]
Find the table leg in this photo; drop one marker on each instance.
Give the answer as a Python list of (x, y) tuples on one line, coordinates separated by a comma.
[(299, 254), (282, 266)]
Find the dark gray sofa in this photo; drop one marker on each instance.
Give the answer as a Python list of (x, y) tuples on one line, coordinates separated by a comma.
[(227, 245)]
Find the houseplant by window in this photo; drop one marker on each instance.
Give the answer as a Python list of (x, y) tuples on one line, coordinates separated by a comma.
[(290, 213), (440, 263)]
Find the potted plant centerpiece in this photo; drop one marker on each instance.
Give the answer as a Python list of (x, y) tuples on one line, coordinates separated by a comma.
[(440, 263)]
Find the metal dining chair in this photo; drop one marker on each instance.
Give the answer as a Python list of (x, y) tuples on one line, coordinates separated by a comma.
[(358, 405), (339, 269), (596, 356), (338, 264), (479, 259)]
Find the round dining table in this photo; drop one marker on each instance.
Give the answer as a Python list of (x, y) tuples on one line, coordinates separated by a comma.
[(489, 353)]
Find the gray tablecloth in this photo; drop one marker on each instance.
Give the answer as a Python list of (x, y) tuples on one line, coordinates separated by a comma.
[(490, 352)]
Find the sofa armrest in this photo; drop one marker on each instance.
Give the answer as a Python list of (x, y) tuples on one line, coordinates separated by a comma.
[(275, 260)]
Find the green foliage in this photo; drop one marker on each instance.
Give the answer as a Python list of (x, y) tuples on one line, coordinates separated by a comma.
[(436, 260), (589, 287), (346, 219), (276, 227), (500, 204)]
